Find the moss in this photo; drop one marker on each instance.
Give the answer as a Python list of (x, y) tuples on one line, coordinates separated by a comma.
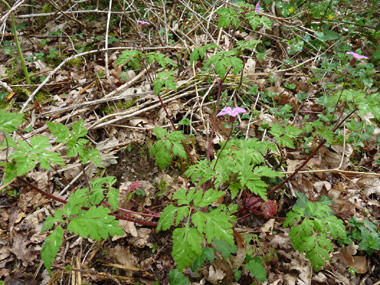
[(75, 62)]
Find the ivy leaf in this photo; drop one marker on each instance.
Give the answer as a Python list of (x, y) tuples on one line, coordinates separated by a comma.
[(51, 247), (187, 245), (9, 122)]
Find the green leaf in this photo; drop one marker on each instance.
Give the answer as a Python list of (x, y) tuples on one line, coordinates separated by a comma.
[(255, 266), (51, 247), (209, 197), (60, 131), (164, 79), (177, 278), (126, 56), (187, 245), (95, 223), (228, 16), (253, 20), (301, 201), (51, 220), (266, 22), (167, 217), (163, 157), (160, 132), (181, 196), (178, 150), (224, 248), (176, 136), (9, 122), (215, 224), (199, 52), (370, 241), (79, 129)]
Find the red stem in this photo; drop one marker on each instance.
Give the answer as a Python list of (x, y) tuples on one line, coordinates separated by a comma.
[(86, 208)]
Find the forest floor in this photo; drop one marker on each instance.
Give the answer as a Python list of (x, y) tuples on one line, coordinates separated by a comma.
[(291, 84)]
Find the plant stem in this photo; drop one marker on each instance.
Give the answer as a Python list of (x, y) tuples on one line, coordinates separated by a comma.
[(55, 198), (337, 125), (18, 44), (220, 83)]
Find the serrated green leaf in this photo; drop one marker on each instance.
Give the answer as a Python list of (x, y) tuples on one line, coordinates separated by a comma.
[(335, 227), (187, 245), (209, 197), (224, 247), (95, 223), (215, 224), (9, 122), (258, 187), (10, 172), (51, 247), (176, 136), (255, 266), (254, 21), (79, 129), (160, 132), (177, 278), (301, 201), (370, 241), (126, 56), (167, 218), (164, 79), (181, 196), (60, 131), (51, 220), (179, 150), (266, 22)]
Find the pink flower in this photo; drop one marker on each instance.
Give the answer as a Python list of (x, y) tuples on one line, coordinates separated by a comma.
[(231, 112), (356, 55), (143, 22), (257, 7)]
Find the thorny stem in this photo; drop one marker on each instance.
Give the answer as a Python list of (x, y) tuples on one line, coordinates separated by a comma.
[(337, 125), (55, 198)]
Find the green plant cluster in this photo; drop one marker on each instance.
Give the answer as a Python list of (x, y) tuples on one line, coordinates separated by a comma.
[(318, 226)]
